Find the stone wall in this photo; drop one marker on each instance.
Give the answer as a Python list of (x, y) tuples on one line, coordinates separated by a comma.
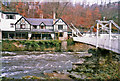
[(79, 47)]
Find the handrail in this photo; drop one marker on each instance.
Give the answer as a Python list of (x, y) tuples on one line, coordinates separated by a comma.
[(70, 27), (76, 29), (115, 24)]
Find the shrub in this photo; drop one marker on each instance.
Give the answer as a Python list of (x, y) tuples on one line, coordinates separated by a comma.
[(70, 42), (31, 45), (28, 44), (34, 45), (8, 46)]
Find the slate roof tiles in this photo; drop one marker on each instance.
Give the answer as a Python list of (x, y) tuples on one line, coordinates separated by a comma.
[(36, 21)]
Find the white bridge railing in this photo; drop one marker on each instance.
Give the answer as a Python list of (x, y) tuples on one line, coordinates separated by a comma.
[(103, 41), (108, 41), (75, 31)]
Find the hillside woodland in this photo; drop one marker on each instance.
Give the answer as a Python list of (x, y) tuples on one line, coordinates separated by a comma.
[(82, 15)]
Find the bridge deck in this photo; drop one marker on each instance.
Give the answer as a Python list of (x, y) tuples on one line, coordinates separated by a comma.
[(103, 41)]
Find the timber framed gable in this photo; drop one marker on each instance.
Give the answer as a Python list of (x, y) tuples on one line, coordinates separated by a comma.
[(22, 25), (60, 26)]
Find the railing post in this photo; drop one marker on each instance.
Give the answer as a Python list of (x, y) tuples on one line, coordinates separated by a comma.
[(110, 27), (72, 32), (97, 34)]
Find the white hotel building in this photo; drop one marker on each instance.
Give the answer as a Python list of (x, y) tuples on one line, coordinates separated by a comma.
[(15, 26)]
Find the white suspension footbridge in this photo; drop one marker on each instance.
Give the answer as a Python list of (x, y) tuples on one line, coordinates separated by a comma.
[(104, 37)]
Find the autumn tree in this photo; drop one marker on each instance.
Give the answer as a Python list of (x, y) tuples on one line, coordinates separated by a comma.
[(89, 18), (80, 14), (96, 14)]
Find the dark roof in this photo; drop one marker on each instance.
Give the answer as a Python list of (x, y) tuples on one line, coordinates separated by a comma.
[(9, 12), (36, 21), (41, 30), (59, 19), (21, 18)]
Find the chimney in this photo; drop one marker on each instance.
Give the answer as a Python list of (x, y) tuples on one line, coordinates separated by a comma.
[(41, 16), (54, 16)]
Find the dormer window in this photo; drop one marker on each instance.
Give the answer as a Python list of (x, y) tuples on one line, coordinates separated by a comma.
[(10, 16), (42, 27)]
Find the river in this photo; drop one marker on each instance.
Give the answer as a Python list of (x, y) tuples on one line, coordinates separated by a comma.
[(20, 64)]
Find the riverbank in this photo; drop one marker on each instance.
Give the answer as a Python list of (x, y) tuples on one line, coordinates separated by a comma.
[(84, 66), (42, 45), (26, 60), (30, 45), (103, 65)]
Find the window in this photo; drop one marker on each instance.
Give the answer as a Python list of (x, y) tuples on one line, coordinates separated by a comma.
[(12, 25), (60, 27), (10, 16), (61, 34), (42, 27), (22, 26), (34, 27)]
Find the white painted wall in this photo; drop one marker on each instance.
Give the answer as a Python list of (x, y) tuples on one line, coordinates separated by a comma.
[(65, 36), (49, 27), (27, 25), (60, 22), (5, 23)]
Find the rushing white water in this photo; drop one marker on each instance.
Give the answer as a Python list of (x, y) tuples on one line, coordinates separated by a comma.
[(36, 63)]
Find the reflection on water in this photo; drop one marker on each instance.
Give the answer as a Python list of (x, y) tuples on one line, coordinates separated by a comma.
[(36, 63)]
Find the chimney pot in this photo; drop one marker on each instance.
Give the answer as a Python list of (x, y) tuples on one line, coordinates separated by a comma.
[(54, 16)]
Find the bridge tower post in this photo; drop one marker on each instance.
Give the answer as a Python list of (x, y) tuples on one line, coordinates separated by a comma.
[(110, 28), (97, 33)]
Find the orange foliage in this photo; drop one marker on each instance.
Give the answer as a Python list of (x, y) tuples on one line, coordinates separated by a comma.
[(94, 30), (79, 15), (97, 14)]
